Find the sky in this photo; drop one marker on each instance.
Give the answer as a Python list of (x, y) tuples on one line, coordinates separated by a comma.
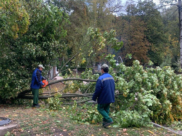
[(156, 1), (124, 3)]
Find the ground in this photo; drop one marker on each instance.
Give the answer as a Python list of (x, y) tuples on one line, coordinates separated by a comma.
[(43, 122)]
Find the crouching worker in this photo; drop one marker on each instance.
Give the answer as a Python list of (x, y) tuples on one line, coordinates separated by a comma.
[(104, 93), (36, 84)]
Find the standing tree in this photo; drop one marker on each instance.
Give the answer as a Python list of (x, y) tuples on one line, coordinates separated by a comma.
[(83, 15), (154, 32), (31, 33), (178, 3), (133, 36)]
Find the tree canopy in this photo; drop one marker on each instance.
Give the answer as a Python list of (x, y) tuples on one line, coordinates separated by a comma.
[(31, 33), (81, 32)]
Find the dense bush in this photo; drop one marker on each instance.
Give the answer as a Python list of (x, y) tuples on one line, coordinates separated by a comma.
[(31, 32)]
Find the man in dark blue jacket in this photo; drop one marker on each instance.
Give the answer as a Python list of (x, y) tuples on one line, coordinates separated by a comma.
[(104, 93), (36, 84)]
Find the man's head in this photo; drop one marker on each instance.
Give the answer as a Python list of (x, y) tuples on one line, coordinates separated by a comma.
[(104, 68), (40, 67)]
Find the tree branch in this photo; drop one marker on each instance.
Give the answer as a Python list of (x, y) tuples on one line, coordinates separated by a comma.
[(57, 81), (79, 79)]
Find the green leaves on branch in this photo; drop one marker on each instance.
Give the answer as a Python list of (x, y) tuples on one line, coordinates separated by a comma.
[(14, 18), (125, 119), (111, 38), (31, 33), (106, 38), (86, 114), (144, 95), (154, 93), (54, 103)]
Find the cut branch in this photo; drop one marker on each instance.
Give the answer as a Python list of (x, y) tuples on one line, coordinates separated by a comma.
[(69, 60), (79, 79), (57, 81), (63, 96)]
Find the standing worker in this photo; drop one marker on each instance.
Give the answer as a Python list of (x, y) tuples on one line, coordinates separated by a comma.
[(36, 83), (104, 93)]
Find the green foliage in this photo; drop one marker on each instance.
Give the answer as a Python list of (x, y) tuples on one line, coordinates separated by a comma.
[(166, 62), (147, 33), (14, 18), (144, 95), (8, 134), (150, 28), (129, 56), (86, 114), (125, 119), (155, 93), (150, 63), (177, 125), (54, 103), (132, 31), (40, 40), (112, 40), (74, 86)]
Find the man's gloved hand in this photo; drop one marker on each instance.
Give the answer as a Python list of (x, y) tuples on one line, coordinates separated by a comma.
[(95, 102), (42, 85), (92, 102)]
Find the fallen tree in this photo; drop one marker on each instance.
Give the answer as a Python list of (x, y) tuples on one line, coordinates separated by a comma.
[(63, 96), (24, 93)]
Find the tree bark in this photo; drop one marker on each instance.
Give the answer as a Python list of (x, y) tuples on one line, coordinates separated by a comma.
[(180, 28), (63, 96), (79, 79)]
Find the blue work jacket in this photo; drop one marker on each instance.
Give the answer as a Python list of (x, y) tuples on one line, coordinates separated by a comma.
[(104, 90), (36, 82)]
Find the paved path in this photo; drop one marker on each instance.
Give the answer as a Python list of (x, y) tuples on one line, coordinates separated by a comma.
[(4, 129)]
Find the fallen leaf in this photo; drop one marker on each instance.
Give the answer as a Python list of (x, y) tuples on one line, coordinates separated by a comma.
[(64, 130), (151, 132)]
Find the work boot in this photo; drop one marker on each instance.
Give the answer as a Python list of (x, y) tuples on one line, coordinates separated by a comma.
[(36, 106), (107, 124), (104, 121)]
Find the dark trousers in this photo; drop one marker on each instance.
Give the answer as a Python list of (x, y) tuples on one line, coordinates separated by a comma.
[(104, 111), (35, 93)]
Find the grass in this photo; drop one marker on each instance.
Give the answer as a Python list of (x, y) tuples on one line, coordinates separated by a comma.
[(43, 122)]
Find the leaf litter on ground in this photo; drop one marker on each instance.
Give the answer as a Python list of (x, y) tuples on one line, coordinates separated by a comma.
[(33, 124)]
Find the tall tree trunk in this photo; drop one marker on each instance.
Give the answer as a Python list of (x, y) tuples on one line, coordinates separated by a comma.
[(180, 28)]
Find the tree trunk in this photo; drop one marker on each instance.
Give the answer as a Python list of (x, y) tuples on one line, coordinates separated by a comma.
[(180, 28)]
